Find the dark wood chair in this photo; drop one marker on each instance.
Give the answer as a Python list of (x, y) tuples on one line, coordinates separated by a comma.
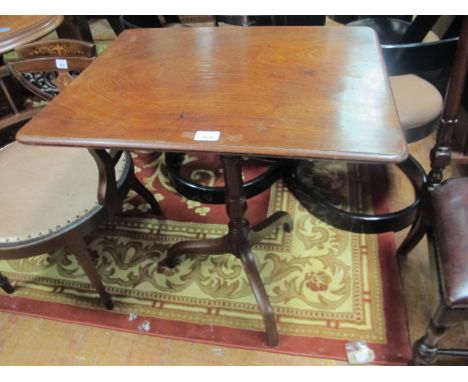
[(416, 61), (444, 219), (49, 195), (419, 104)]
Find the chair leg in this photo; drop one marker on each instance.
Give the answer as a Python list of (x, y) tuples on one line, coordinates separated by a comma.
[(5, 285), (260, 294), (415, 235), (425, 349), (141, 190), (78, 246)]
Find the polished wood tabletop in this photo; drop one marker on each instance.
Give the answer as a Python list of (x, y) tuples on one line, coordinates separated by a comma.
[(19, 30), (302, 92)]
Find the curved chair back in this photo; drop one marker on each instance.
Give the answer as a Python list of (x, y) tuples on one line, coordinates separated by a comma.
[(419, 57), (403, 47)]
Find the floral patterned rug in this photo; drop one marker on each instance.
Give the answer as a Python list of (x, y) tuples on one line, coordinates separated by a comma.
[(328, 287)]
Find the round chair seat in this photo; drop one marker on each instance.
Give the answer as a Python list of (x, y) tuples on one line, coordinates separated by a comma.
[(418, 103), (46, 189)]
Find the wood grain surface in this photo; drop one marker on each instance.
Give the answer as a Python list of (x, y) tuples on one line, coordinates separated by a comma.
[(304, 92), (19, 30)]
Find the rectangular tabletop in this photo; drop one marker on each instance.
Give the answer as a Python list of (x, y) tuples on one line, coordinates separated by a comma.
[(303, 92)]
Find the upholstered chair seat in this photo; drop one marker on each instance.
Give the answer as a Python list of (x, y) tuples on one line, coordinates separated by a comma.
[(45, 190), (450, 206), (418, 102), (448, 247), (52, 197)]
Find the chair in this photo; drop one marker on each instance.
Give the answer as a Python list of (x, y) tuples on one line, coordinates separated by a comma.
[(444, 219), (15, 78), (416, 61), (419, 105), (49, 194)]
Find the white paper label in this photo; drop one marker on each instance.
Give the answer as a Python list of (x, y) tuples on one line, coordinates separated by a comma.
[(61, 63), (207, 135)]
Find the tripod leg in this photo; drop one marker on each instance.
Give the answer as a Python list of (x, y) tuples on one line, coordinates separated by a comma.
[(261, 296), (216, 246)]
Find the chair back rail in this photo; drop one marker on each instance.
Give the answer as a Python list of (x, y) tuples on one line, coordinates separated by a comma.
[(62, 47), (419, 57)]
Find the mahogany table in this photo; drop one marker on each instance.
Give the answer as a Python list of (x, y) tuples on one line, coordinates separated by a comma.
[(294, 92), (19, 30)]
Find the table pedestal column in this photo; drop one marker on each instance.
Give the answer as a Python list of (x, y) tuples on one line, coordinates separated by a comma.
[(238, 241)]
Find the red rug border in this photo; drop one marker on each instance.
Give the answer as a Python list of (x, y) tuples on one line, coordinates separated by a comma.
[(253, 340)]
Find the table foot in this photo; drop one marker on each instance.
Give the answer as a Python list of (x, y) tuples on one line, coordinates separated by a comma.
[(260, 294), (265, 228), (106, 300), (5, 284), (415, 235)]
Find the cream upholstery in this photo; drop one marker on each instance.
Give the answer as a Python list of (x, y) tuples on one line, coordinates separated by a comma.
[(417, 101), (45, 188)]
